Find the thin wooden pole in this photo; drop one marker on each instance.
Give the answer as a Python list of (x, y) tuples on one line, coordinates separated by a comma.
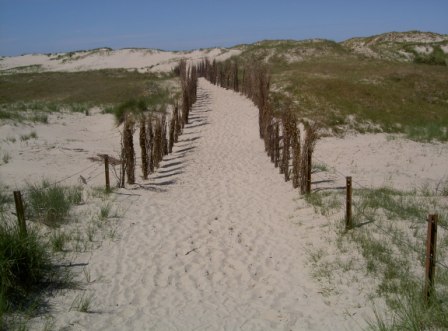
[(431, 242), (348, 213), (106, 171), (20, 212)]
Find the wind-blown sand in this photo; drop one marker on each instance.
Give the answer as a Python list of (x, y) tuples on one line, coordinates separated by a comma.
[(216, 240)]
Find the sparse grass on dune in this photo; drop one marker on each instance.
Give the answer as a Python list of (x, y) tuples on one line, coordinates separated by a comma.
[(27, 262), (390, 233), (327, 83), (31, 96), (98, 86), (397, 97)]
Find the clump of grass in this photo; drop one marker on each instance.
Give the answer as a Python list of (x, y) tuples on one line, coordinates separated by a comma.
[(320, 167), (324, 202), (82, 303), (5, 198), (105, 211), (26, 137), (396, 204), (51, 203), (58, 240), (100, 192), (428, 133), (24, 263), (39, 118), (6, 157)]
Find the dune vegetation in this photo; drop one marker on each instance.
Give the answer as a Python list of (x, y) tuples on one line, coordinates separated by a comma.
[(327, 82)]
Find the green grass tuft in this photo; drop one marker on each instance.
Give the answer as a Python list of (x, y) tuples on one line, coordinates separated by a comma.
[(51, 203), (24, 263)]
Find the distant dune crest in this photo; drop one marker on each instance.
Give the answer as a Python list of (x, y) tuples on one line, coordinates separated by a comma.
[(143, 60), (396, 46)]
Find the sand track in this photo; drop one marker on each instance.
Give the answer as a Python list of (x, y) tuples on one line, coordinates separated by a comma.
[(209, 242)]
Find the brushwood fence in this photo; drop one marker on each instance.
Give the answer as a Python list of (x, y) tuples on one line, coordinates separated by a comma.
[(290, 143), (157, 136), (158, 131)]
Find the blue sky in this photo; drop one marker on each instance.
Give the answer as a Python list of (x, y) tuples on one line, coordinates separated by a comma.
[(44, 26)]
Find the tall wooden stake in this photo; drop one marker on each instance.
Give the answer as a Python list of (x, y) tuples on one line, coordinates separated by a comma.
[(348, 213), (106, 171), (431, 242), (20, 213)]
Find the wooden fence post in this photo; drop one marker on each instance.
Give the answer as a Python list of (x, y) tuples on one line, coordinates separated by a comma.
[(308, 173), (276, 145), (348, 213), (431, 242), (20, 213), (106, 171)]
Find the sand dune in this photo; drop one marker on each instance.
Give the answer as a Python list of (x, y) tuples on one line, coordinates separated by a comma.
[(144, 60)]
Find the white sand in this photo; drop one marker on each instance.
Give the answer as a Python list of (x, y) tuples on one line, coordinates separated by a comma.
[(215, 240), (62, 148), (376, 160), (143, 60)]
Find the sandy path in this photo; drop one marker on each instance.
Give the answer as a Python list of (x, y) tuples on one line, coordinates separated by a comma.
[(212, 243)]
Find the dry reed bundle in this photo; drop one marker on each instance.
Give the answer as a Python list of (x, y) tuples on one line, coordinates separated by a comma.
[(271, 135), (236, 85), (164, 138), (286, 122), (121, 181), (143, 143), (309, 143), (158, 144), (150, 145), (185, 105), (128, 145), (296, 149), (276, 144), (172, 133)]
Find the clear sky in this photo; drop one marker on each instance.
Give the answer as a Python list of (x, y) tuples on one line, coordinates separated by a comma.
[(44, 26)]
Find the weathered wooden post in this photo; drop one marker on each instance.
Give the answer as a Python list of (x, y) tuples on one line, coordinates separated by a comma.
[(308, 172), (276, 145), (431, 241), (348, 213), (106, 171), (20, 213)]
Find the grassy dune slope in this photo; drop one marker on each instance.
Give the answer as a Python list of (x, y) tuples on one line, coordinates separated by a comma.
[(328, 82)]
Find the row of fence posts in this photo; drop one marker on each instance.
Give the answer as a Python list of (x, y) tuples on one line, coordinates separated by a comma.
[(431, 241)]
